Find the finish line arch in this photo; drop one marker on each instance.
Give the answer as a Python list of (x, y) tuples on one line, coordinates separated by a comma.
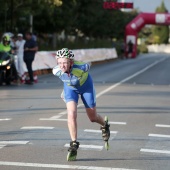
[(138, 23)]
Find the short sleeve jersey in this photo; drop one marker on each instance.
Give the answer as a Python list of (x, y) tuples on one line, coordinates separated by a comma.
[(78, 74)]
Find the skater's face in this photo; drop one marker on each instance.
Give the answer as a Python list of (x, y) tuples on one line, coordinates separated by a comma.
[(65, 64)]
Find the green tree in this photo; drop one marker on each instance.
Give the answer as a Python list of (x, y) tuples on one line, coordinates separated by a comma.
[(15, 13), (74, 17), (94, 21), (160, 34)]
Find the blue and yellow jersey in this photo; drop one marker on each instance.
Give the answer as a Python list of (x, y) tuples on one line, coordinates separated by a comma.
[(77, 82), (78, 74)]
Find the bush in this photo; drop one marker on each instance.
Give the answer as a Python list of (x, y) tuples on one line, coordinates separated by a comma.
[(142, 48), (78, 44)]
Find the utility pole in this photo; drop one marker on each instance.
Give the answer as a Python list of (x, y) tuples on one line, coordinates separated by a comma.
[(11, 23), (31, 23)]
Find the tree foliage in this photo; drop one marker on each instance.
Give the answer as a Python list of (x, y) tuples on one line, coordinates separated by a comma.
[(87, 18), (160, 33)]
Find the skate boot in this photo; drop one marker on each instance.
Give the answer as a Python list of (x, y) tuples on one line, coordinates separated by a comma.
[(72, 151), (106, 132)]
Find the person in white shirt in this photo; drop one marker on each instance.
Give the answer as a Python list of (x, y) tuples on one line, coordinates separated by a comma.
[(20, 51)]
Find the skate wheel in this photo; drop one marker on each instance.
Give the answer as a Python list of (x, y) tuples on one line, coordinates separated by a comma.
[(71, 156), (107, 145)]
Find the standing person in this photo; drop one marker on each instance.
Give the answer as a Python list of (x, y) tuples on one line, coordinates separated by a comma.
[(20, 52), (30, 49), (130, 49), (122, 50), (13, 41), (77, 81)]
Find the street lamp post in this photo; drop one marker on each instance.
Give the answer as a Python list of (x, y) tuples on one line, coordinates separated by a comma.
[(11, 24), (31, 23)]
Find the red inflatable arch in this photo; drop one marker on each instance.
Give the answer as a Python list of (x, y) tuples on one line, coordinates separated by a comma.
[(138, 23)]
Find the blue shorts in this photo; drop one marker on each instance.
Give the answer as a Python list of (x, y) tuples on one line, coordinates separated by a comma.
[(86, 91)]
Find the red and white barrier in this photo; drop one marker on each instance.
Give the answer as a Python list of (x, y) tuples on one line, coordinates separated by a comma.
[(46, 59), (162, 48)]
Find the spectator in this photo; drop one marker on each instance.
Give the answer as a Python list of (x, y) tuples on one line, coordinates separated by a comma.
[(122, 50), (130, 49), (20, 52), (30, 49)]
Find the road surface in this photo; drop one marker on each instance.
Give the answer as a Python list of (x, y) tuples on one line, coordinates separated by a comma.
[(133, 93)]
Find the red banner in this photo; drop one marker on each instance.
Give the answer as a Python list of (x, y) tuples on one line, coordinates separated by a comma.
[(117, 5), (138, 23)]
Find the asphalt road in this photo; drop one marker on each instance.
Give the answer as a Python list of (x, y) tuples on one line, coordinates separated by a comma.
[(133, 93)]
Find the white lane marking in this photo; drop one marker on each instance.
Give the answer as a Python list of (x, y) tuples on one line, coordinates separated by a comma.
[(5, 119), (24, 164), (159, 135), (53, 119), (115, 85), (118, 123), (128, 78), (97, 131), (85, 147), (37, 127), (1, 146), (13, 142), (160, 125), (59, 115), (155, 151)]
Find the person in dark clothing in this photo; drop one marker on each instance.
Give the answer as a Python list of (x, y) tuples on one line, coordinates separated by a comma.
[(30, 49), (130, 49), (122, 50)]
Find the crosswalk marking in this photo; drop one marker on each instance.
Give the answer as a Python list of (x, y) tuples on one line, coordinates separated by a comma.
[(160, 125), (13, 142), (1, 146), (57, 119), (58, 166), (60, 114), (37, 127), (97, 131), (86, 147), (155, 151), (5, 119), (4, 143), (118, 123), (53, 119), (159, 135)]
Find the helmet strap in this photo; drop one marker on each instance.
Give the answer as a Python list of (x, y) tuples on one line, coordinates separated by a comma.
[(71, 64)]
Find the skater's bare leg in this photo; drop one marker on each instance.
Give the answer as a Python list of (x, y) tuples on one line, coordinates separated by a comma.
[(94, 117), (72, 119)]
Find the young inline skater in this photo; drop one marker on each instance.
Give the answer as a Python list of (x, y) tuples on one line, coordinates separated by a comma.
[(77, 82)]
